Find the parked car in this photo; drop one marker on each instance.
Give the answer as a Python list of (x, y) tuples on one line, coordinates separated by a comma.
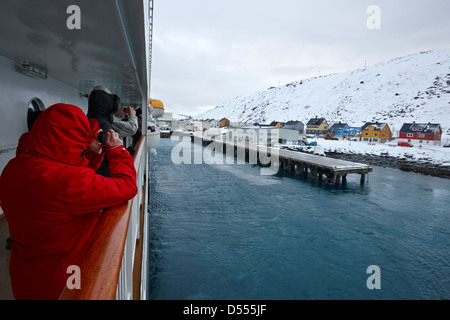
[(447, 145), (310, 142), (404, 144)]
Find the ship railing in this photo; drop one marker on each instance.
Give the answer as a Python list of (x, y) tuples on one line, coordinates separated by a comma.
[(111, 265)]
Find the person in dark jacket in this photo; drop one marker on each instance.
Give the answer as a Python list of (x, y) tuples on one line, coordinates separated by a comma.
[(52, 197), (102, 107), (138, 133)]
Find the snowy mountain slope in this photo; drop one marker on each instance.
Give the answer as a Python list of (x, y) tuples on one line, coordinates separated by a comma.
[(406, 89)]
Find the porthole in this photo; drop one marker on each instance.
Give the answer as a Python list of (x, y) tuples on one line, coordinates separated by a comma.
[(35, 108)]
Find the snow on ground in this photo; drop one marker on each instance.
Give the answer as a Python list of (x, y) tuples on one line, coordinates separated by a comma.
[(432, 154), (437, 155)]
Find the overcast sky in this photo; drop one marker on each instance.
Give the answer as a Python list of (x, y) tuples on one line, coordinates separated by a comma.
[(207, 52)]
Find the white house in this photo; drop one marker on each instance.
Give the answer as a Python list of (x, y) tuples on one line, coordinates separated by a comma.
[(262, 135)]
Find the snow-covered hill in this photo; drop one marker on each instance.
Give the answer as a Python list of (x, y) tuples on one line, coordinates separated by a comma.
[(406, 89)]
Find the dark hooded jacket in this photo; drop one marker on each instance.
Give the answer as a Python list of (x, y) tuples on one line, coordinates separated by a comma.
[(52, 199), (102, 106)]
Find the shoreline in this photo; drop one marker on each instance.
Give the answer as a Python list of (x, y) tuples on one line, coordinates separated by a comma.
[(424, 168)]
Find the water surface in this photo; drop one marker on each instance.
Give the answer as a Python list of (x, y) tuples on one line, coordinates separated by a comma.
[(226, 232)]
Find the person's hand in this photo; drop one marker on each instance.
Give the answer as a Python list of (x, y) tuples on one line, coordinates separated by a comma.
[(112, 140), (96, 146), (131, 111), (121, 112)]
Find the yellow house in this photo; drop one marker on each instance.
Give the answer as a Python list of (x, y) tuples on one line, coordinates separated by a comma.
[(276, 124), (224, 123), (317, 126), (375, 132)]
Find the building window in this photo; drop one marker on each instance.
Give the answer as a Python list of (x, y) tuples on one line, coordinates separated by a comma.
[(35, 108), (410, 135)]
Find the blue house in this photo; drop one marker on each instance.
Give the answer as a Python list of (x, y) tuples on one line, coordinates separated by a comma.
[(340, 129), (354, 131)]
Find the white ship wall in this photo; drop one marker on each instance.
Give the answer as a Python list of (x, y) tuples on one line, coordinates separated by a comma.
[(16, 92)]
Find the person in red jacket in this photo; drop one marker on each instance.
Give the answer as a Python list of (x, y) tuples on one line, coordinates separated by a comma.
[(52, 197)]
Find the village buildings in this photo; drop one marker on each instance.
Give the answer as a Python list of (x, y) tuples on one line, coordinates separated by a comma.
[(421, 133), (372, 132)]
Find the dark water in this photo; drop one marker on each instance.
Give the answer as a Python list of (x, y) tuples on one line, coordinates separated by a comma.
[(226, 232)]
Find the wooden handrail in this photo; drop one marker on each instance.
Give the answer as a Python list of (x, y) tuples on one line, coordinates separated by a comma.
[(101, 262)]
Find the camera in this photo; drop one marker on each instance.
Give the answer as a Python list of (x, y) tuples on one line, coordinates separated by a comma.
[(126, 109), (102, 137)]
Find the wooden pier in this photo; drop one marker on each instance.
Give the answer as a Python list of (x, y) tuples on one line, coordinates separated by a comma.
[(332, 171)]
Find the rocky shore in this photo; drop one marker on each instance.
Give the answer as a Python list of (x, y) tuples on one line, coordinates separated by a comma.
[(404, 164)]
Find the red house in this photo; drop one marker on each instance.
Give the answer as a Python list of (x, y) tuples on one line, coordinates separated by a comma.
[(429, 133)]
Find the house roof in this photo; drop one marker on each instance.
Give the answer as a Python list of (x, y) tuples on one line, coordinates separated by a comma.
[(377, 125), (223, 119), (339, 126), (292, 122), (316, 121), (289, 123), (274, 123), (427, 128)]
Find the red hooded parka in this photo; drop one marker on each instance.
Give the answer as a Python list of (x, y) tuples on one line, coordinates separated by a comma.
[(52, 198)]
